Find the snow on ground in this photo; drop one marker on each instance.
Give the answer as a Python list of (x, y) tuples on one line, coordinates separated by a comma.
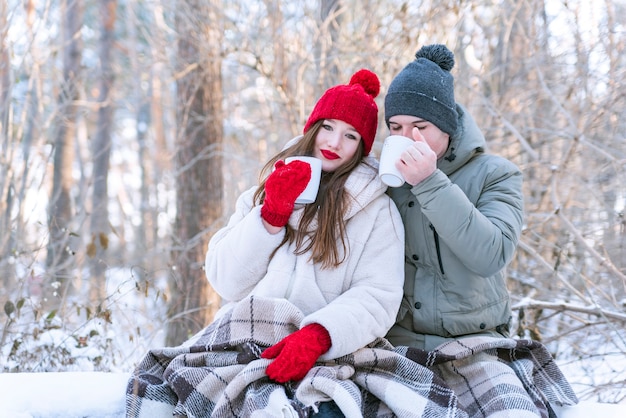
[(62, 395), (85, 393), (101, 395)]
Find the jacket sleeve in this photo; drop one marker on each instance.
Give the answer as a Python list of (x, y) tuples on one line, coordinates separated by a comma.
[(368, 308), (484, 236), (238, 254)]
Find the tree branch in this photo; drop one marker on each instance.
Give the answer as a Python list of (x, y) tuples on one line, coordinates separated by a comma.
[(562, 306)]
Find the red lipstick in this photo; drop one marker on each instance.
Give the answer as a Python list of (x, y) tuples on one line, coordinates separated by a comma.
[(329, 155)]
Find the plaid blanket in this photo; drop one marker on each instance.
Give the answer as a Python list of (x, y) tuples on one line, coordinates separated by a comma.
[(486, 390), (219, 373)]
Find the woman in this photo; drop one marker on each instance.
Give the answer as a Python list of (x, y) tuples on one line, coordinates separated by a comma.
[(337, 261), (332, 249)]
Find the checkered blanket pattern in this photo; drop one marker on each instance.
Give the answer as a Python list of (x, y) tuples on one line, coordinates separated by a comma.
[(219, 373)]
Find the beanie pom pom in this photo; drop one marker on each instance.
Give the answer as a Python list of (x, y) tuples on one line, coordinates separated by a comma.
[(439, 54), (368, 80)]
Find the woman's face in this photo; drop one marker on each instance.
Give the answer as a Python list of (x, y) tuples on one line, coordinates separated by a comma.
[(436, 139), (335, 144)]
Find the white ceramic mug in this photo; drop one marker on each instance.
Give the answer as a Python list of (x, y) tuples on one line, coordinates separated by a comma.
[(393, 147), (310, 193)]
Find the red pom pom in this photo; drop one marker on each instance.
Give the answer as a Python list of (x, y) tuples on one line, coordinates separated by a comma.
[(368, 80)]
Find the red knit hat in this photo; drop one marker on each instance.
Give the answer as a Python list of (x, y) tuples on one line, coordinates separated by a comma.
[(352, 103)]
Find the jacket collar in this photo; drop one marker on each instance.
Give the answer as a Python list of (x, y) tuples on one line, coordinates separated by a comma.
[(465, 143)]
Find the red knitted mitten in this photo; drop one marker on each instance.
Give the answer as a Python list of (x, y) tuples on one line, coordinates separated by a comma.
[(282, 188), (296, 354)]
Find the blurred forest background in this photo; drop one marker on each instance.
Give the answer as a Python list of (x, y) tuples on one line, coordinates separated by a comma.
[(129, 127)]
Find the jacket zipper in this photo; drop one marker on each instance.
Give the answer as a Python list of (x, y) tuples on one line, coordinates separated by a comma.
[(436, 235)]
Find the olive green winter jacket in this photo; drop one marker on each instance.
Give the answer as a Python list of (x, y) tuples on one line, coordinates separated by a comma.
[(462, 225)]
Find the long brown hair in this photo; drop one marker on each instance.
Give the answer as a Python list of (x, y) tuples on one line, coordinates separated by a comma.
[(329, 207)]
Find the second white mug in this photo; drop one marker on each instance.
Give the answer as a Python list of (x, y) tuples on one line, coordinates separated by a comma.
[(393, 147)]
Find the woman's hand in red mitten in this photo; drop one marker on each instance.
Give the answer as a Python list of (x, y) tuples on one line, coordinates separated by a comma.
[(297, 353), (282, 188)]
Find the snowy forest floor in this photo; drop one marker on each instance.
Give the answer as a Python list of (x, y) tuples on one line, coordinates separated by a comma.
[(82, 370), (101, 395)]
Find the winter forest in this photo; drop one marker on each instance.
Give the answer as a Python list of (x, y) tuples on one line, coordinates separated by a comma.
[(129, 127)]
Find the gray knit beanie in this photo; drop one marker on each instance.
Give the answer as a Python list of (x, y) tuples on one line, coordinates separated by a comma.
[(425, 89)]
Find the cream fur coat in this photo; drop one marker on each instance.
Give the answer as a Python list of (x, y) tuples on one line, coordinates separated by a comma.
[(356, 302)]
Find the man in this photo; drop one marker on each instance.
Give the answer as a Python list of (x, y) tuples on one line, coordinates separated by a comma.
[(462, 210)]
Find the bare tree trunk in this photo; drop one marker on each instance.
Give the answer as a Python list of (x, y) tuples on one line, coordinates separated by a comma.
[(101, 152), (5, 77), (141, 97), (5, 106), (28, 128), (60, 204), (5, 166), (160, 153), (330, 21), (145, 229), (199, 166)]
